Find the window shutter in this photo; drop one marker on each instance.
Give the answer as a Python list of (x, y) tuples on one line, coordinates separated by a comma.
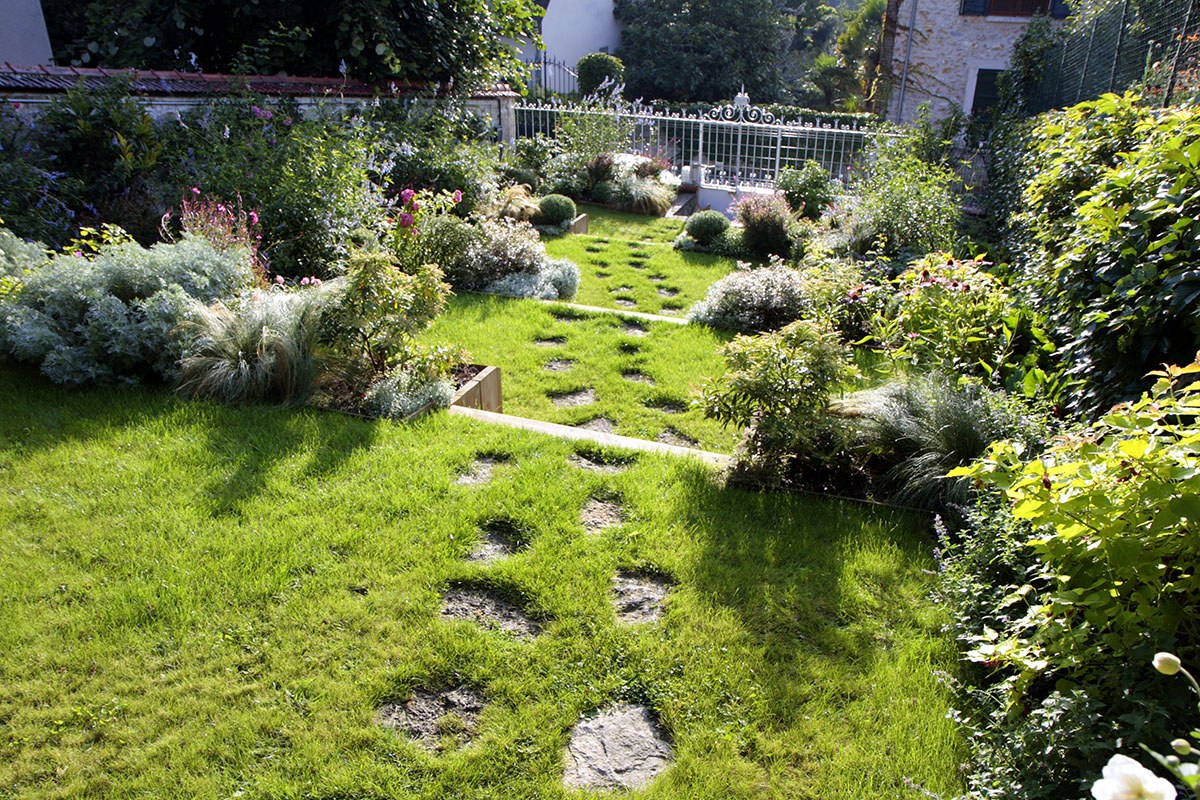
[(973, 8), (1059, 9)]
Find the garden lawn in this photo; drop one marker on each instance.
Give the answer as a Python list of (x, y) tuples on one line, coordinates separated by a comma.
[(609, 223), (207, 602), (614, 356)]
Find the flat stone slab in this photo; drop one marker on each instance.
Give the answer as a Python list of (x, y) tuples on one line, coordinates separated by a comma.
[(666, 406), (638, 377), (676, 439), (499, 541), (558, 365), (621, 289), (667, 292), (623, 303), (552, 341), (658, 278), (480, 471), (583, 397), (599, 425), (489, 609), (583, 462), (638, 597), (634, 329), (622, 747), (598, 514), (439, 720)]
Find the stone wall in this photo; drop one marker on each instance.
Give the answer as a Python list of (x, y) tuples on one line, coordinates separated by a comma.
[(947, 51)]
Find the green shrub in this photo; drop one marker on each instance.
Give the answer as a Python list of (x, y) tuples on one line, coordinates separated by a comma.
[(110, 316), (264, 348), (768, 227), (444, 240), (809, 189), (534, 152), (521, 176), (16, 256), (604, 192), (596, 68), (1107, 249), (780, 385), (556, 209), (953, 316), (907, 208), (705, 226), (403, 392), (752, 300)]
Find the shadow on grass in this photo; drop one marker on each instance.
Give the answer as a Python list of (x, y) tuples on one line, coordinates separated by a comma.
[(242, 445)]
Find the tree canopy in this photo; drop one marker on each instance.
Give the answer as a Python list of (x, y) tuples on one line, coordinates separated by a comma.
[(464, 42), (688, 50)]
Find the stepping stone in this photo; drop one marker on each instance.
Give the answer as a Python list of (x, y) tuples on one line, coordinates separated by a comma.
[(638, 597), (621, 289), (599, 425), (667, 292), (622, 747), (480, 471), (629, 347), (598, 514), (600, 274), (583, 397), (638, 264), (489, 609), (553, 341), (567, 316), (625, 303), (633, 328), (672, 436), (638, 377), (591, 248), (657, 278), (436, 720), (666, 406), (499, 541), (583, 462), (558, 365)]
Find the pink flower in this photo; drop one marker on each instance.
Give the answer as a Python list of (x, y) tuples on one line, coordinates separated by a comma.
[(406, 220), (458, 195), (279, 279), (16, 105), (195, 190), (304, 281), (415, 206), (253, 218), (316, 281), (406, 196)]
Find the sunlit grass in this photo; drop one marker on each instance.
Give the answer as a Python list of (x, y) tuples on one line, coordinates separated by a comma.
[(205, 601)]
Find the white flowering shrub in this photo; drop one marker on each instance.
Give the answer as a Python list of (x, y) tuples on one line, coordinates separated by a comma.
[(89, 320), (556, 279), (403, 392)]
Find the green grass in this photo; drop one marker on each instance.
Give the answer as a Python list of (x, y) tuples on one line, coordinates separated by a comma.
[(679, 358), (206, 602), (606, 222)]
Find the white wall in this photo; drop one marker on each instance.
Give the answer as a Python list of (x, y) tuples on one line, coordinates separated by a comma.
[(573, 28), (23, 38)]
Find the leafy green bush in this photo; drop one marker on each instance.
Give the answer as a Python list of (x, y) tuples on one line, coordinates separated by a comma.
[(779, 384), (907, 207), (17, 256), (110, 316), (596, 68), (768, 227), (264, 347), (34, 198), (1106, 242), (604, 192), (705, 226), (444, 240), (556, 209), (809, 189), (954, 316), (534, 152)]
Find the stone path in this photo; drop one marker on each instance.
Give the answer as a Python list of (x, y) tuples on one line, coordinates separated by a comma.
[(582, 397), (638, 597), (436, 720), (489, 609), (480, 471), (499, 541), (620, 748), (598, 514)]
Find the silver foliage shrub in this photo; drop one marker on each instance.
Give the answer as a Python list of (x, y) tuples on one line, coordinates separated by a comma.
[(111, 317), (403, 392), (761, 299), (556, 279), (17, 255)]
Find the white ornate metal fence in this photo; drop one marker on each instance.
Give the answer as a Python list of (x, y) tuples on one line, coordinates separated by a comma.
[(730, 145)]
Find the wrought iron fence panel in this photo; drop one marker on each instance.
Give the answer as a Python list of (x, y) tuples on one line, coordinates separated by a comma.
[(732, 145)]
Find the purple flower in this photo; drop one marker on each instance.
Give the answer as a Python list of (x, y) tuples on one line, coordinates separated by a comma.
[(406, 220), (279, 279), (195, 190), (458, 195), (415, 206), (305, 281), (253, 217), (406, 196)]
